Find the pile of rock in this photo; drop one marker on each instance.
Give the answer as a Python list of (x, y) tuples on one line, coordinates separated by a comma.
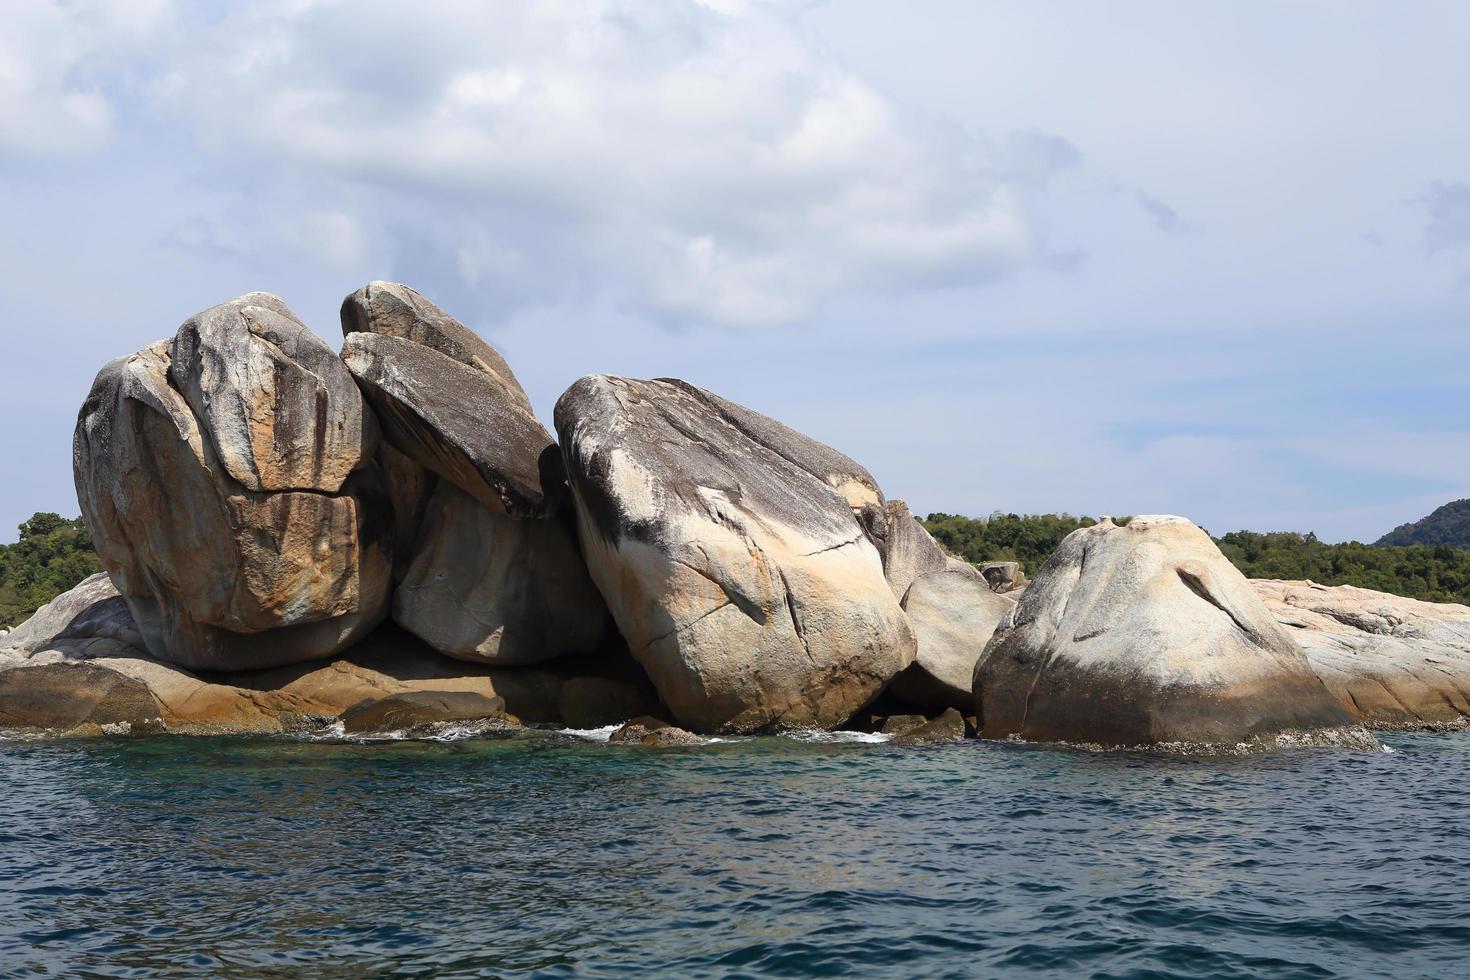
[(388, 539)]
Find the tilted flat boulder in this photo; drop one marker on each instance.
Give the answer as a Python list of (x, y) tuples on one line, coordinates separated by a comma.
[(495, 575), (414, 711), (1393, 662), (395, 310), (954, 614), (446, 399), (264, 541), (741, 580), (497, 589), (1143, 635)]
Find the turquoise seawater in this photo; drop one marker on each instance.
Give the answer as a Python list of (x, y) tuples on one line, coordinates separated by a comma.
[(558, 856)]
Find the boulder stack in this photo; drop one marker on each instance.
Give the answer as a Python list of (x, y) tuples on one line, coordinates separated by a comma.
[(495, 575)]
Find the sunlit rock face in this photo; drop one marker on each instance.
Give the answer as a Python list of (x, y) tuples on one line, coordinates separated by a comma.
[(227, 477), (731, 557), (1393, 662), (494, 574), (1143, 635)]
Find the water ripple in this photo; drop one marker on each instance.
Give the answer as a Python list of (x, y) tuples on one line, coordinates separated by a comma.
[(559, 856)]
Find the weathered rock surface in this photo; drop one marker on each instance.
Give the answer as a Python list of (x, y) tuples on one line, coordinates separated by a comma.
[(446, 399), (416, 711), (1145, 634), (66, 696), (741, 580), (907, 549), (497, 589), (652, 733), (1393, 662), (248, 545), (851, 481), (87, 628), (395, 310), (948, 727), (954, 614)]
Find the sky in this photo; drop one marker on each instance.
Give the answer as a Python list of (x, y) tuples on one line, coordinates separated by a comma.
[(1210, 259)]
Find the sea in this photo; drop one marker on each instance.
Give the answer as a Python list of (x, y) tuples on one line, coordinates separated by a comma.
[(556, 854)]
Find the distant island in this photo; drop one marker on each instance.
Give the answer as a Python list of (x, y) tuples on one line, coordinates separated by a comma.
[(1424, 560), (1448, 525)]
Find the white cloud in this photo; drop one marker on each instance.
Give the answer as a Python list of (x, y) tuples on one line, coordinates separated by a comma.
[(62, 65), (701, 161)]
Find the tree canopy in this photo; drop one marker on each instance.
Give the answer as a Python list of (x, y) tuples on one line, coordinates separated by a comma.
[(1437, 573), (52, 555)]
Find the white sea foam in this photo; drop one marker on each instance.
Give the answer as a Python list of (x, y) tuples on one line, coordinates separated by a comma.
[(591, 734), (871, 738)]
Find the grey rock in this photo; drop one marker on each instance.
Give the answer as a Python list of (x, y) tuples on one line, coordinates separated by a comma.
[(902, 724), (279, 409), (907, 548), (1144, 635), (653, 733), (460, 422), (954, 614), (851, 481), (743, 583), (489, 587), (414, 711), (395, 310), (948, 727), (1004, 576)]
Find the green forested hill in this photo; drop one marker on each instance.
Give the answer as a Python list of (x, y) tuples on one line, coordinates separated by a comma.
[(1437, 573), (52, 555), (1449, 525)]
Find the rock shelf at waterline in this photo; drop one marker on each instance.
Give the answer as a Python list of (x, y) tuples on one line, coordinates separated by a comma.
[(295, 539)]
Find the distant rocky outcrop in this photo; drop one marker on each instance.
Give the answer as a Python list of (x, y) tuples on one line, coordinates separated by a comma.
[(730, 556), (1145, 635), (229, 482), (1392, 662)]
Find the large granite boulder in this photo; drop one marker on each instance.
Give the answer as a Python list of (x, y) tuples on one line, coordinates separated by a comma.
[(229, 483), (1143, 635), (954, 614), (489, 587), (1391, 661), (730, 555), (495, 575)]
